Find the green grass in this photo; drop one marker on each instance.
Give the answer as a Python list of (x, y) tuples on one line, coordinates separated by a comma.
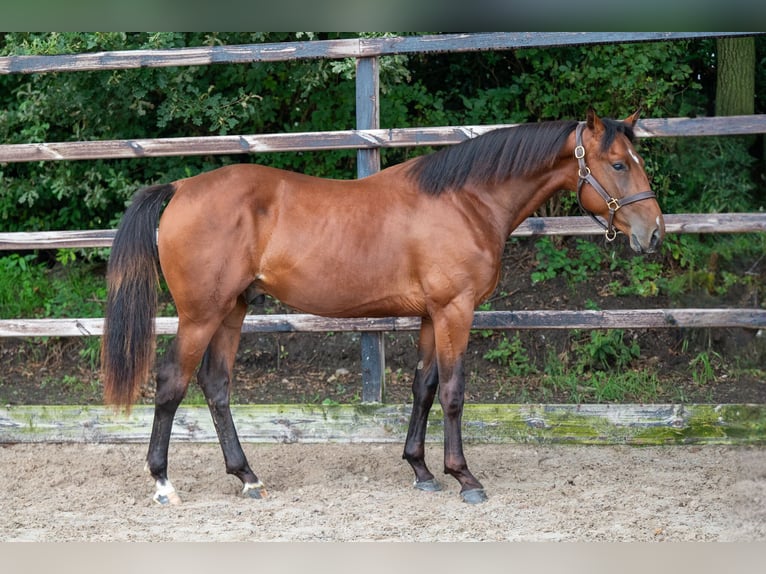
[(29, 289)]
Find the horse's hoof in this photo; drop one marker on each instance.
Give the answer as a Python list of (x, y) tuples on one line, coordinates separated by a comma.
[(428, 485), (474, 496), (166, 494), (255, 490), (168, 498)]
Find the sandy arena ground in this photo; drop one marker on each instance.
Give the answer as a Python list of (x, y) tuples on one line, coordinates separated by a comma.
[(362, 492)]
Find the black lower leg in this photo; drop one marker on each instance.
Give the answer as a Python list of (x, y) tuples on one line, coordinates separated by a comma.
[(424, 388), (168, 396), (215, 382), (451, 397)]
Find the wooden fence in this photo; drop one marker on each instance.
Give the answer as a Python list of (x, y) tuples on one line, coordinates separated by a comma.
[(368, 138)]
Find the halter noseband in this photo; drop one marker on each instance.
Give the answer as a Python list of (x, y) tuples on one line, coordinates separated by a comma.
[(613, 203)]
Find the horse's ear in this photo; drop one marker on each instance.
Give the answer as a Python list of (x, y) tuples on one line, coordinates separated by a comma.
[(593, 121), (632, 119)]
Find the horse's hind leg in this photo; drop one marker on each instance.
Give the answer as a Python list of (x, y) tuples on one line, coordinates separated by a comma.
[(214, 377), (172, 381), (424, 388)]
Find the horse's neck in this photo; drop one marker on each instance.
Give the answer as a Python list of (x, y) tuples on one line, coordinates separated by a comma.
[(519, 198)]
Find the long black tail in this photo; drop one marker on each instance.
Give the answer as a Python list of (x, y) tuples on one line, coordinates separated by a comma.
[(128, 343)]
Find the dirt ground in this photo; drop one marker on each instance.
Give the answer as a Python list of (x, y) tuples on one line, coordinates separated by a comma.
[(362, 492)]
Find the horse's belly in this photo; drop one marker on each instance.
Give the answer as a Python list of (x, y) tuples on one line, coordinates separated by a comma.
[(345, 297)]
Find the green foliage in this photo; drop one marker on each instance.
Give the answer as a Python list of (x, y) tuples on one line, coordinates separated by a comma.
[(597, 366), (574, 265), (626, 386), (23, 289), (707, 175), (707, 263), (156, 102), (643, 277), (511, 354), (616, 77), (598, 369), (605, 350), (618, 384), (704, 366), (29, 289)]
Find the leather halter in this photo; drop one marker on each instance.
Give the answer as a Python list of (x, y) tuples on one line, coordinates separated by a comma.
[(613, 203)]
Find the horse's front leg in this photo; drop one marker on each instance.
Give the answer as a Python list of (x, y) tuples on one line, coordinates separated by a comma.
[(451, 397), (452, 328)]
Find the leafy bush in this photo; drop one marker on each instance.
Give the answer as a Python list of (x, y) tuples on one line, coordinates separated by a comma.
[(553, 261), (705, 174), (29, 289), (511, 354), (605, 350), (23, 289)]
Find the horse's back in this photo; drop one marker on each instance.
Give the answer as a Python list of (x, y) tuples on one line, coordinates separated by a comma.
[(330, 247)]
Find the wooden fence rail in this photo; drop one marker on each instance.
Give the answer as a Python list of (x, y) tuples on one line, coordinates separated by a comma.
[(533, 226), (499, 320), (344, 139), (482, 423), (329, 49), (368, 139)]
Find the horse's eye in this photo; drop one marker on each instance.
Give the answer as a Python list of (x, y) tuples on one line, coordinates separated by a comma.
[(619, 166)]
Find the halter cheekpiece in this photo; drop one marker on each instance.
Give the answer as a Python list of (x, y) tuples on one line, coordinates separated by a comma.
[(613, 203)]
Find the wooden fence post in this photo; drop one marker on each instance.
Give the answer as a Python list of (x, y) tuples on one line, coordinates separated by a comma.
[(368, 162)]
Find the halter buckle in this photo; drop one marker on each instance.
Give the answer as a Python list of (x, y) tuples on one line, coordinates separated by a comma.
[(579, 152), (613, 204), (584, 172)]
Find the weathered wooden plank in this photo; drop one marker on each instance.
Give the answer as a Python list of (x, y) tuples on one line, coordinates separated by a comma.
[(303, 323), (622, 319), (239, 144), (226, 145), (704, 126), (331, 49), (56, 239), (533, 226), (482, 423), (514, 40), (715, 223), (341, 139), (368, 163), (674, 223)]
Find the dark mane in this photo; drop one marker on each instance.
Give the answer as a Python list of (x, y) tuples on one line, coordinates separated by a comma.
[(500, 154)]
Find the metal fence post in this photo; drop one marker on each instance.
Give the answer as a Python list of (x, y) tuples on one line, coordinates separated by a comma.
[(368, 162)]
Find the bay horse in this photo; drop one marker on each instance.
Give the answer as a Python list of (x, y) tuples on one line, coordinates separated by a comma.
[(421, 238)]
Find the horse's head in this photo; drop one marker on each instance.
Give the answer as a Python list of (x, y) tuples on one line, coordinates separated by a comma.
[(613, 183)]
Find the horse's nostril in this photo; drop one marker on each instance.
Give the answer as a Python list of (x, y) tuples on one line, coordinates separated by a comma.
[(656, 239)]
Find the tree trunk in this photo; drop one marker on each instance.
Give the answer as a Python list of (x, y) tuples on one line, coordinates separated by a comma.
[(735, 79), (735, 88)]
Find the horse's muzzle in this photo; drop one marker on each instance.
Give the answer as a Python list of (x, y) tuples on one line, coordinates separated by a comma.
[(650, 244)]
